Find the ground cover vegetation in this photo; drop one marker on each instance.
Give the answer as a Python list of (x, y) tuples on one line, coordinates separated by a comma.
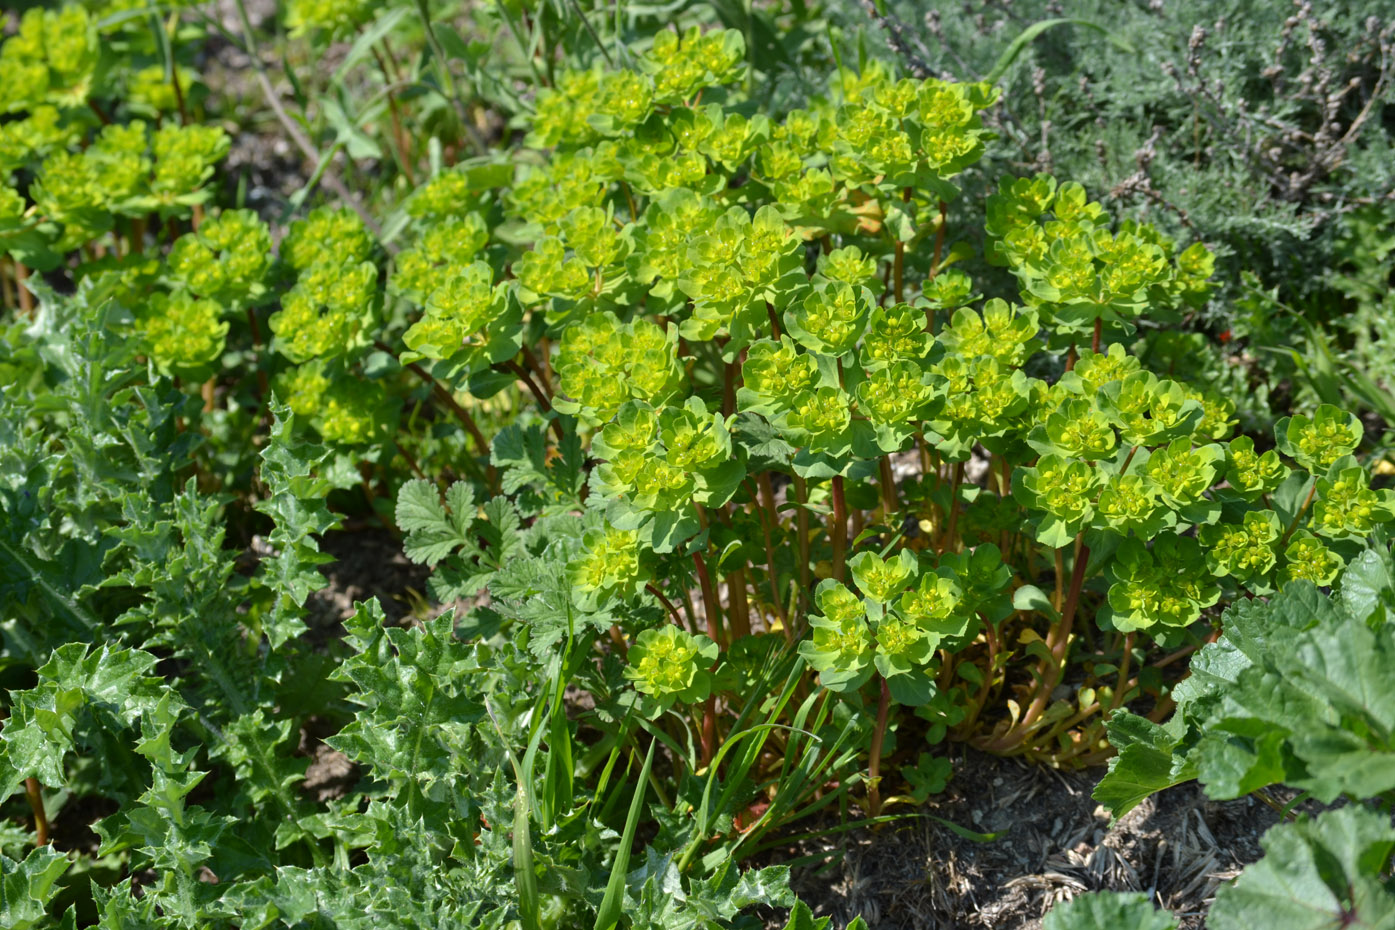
[(761, 427)]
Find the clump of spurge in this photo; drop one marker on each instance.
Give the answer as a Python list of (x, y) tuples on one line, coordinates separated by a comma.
[(757, 324)]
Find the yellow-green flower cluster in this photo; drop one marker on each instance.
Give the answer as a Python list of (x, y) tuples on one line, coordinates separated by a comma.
[(1166, 585), (53, 58), (602, 363), (609, 564), (326, 235), (460, 315), (227, 259), (335, 17), (671, 666), (182, 335), (666, 460), (343, 409), (445, 246), (328, 312), (1075, 270), (1245, 550)]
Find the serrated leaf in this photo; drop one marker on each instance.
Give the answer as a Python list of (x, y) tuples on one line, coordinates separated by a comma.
[(434, 530), (1324, 874), (1108, 910), (1368, 586), (801, 918), (27, 887)]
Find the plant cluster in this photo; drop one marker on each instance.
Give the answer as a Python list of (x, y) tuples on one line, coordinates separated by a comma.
[(752, 448), (1263, 135), (1296, 691)]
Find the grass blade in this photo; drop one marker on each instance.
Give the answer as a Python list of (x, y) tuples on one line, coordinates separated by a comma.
[(609, 914), (1031, 32)]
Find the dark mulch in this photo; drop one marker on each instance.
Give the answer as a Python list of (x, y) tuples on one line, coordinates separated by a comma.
[(1056, 842)]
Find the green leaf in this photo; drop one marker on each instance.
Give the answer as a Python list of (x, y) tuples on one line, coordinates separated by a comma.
[(296, 502), (83, 697), (1298, 690), (1033, 599), (1330, 873), (965, 833), (801, 918), (1028, 35), (27, 887), (1368, 586), (434, 530), (1147, 762), (608, 914), (1108, 910), (417, 711)]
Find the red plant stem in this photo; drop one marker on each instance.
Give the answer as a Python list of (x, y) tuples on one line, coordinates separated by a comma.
[(1059, 600), (400, 139), (7, 293), (1122, 687), (1165, 706), (668, 605), (899, 263), (714, 632), (740, 614), (412, 462), (709, 731), (1171, 657), (34, 792), (545, 351), (630, 200), (935, 264), (618, 639), (939, 242), (101, 114), (898, 271), (731, 372), (709, 599), (990, 638), (178, 93), (461, 414), (1099, 331), (1005, 487), (514, 368), (1128, 460), (874, 760), (888, 482), (774, 321), (839, 530), (256, 329), (541, 370), (949, 537)]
